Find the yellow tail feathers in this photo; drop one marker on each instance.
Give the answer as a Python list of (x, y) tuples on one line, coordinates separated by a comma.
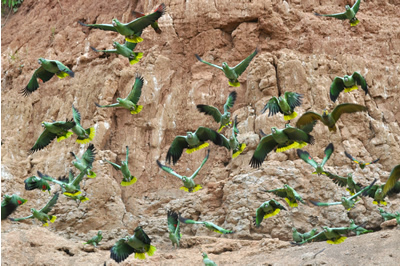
[(62, 75), (380, 202), (197, 188), (84, 199), (351, 193), (238, 152), (354, 23), (351, 89), (53, 218), (204, 145), (221, 127), (291, 204), (134, 39), (140, 256), (272, 214), (46, 224), (60, 138), (184, 189), (137, 109), (337, 241), (92, 132), (128, 183), (234, 84), (72, 195), (290, 117), (151, 251), (91, 174)]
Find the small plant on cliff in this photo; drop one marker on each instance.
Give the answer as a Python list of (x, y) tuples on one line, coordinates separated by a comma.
[(12, 4)]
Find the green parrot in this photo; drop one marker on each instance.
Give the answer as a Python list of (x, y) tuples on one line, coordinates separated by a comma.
[(128, 179), (10, 204), (209, 225), (174, 228), (86, 162), (69, 187), (348, 203), (188, 182), (79, 196), (193, 141), (34, 182), (84, 135), (389, 216), (392, 186), (319, 168), (130, 102), (267, 209), (42, 214), (207, 261), (44, 73), (284, 105), (282, 140), (154, 25), (232, 142), (347, 83), (232, 73), (94, 241), (361, 164), (133, 29), (125, 50), (358, 229), (348, 182), (59, 129), (139, 244), (330, 119), (299, 237), (289, 194), (331, 235), (223, 119), (350, 14)]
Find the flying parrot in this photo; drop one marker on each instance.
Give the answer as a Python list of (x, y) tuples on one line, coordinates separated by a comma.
[(130, 102), (280, 140), (319, 168), (69, 187), (223, 119), (84, 135), (361, 164), (193, 141), (94, 241), (188, 182), (174, 228), (52, 130), (236, 147), (133, 29), (349, 14), (348, 182), (267, 209), (139, 244), (34, 182), (86, 162), (207, 261), (125, 50), (209, 225), (232, 73), (128, 179), (329, 119), (289, 194), (284, 105), (347, 83), (44, 73), (10, 204)]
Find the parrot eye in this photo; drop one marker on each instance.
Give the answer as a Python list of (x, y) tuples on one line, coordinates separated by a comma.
[(114, 45)]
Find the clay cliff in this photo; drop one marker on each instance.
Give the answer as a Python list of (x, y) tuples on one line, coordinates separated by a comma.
[(298, 52)]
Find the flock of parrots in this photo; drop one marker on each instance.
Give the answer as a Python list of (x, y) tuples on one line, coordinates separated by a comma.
[(279, 140)]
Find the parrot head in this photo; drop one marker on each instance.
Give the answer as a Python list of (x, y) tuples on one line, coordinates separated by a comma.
[(189, 135), (115, 44), (204, 255), (138, 229), (115, 22), (184, 178), (274, 130), (285, 186), (41, 60), (119, 100), (346, 78), (349, 175), (294, 230), (33, 210), (44, 124), (347, 7), (225, 65), (325, 113), (99, 233)]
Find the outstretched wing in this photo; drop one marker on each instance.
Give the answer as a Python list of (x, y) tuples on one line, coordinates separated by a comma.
[(281, 192), (205, 133), (317, 203), (121, 250), (108, 27), (76, 115), (360, 80), (44, 139), (363, 191), (79, 178), (110, 105), (88, 156), (210, 110), (328, 152), (356, 6), (337, 87), (173, 221), (298, 135), (351, 157), (33, 84), (168, 170), (63, 68), (338, 180), (50, 204), (394, 176), (266, 145), (188, 221), (308, 118), (136, 91), (205, 62), (294, 99), (273, 106), (204, 161), (176, 149), (230, 101), (112, 51), (218, 229), (346, 108), (338, 15), (140, 23), (305, 156), (116, 166), (241, 67)]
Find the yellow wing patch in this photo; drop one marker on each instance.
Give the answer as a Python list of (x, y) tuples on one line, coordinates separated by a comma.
[(234, 84)]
